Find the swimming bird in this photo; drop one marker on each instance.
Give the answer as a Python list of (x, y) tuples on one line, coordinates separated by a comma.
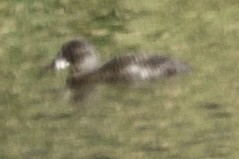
[(85, 68)]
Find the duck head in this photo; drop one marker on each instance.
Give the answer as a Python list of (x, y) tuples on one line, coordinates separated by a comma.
[(79, 54)]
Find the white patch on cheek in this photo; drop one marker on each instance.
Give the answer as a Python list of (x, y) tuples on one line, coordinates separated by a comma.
[(61, 64)]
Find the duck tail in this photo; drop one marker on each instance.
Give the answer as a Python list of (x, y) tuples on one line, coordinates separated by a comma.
[(181, 67)]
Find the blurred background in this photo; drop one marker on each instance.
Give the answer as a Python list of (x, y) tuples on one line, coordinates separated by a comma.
[(195, 116)]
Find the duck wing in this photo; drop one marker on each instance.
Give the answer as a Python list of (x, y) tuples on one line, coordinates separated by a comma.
[(141, 67)]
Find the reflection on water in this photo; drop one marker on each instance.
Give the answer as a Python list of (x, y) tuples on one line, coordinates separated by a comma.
[(83, 93)]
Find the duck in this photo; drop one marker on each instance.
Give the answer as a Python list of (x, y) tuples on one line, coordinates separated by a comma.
[(86, 69)]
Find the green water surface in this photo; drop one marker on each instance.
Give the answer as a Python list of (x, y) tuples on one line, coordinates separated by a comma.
[(190, 117)]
